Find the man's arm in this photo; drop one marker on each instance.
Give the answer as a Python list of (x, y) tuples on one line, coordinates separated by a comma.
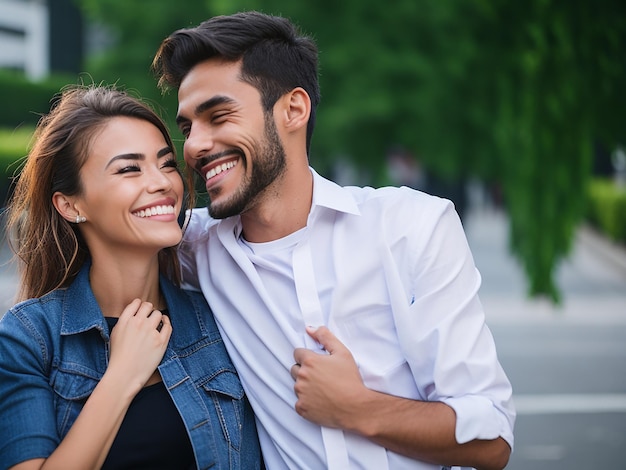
[(331, 393)]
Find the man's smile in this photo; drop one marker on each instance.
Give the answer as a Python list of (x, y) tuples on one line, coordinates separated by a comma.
[(219, 168)]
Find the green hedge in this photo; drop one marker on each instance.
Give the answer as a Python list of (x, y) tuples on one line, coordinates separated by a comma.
[(607, 208), (13, 148), (23, 101), (22, 104)]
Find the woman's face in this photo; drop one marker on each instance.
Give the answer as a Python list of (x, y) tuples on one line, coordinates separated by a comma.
[(132, 190)]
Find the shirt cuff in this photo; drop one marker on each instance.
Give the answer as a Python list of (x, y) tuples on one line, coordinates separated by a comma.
[(477, 418)]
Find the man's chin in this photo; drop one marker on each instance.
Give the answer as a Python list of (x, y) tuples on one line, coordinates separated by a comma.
[(221, 212), (215, 214)]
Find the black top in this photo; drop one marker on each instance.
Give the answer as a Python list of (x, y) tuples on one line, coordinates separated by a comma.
[(152, 435)]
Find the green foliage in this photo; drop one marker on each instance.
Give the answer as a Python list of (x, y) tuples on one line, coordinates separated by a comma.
[(138, 28), (550, 108), (23, 101), (14, 145), (607, 208), (512, 92)]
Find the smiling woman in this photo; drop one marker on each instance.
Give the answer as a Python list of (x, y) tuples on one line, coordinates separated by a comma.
[(104, 336), (131, 169)]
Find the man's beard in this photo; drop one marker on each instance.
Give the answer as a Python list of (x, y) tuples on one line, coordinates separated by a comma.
[(268, 163)]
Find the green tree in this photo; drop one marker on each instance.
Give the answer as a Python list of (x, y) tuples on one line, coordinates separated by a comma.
[(557, 69), (136, 29)]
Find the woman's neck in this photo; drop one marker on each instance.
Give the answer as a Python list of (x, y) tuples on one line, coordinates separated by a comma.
[(115, 285)]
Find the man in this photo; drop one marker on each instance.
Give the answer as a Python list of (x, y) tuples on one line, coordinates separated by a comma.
[(288, 260)]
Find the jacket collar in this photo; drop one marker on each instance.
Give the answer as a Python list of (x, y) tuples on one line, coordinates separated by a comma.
[(81, 311)]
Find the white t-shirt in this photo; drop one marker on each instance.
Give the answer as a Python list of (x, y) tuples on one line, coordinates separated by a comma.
[(389, 271)]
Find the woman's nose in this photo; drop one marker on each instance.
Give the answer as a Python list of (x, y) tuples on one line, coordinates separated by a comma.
[(159, 180)]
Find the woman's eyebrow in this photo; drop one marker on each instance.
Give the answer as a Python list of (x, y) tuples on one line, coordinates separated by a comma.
[(138, 156), (164, 151), (126, 156)]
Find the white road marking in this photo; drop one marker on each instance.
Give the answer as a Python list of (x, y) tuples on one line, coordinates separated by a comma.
[(570, 403)]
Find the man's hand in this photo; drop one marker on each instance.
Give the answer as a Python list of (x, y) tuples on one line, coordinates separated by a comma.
[(328, 386), (331, 393)]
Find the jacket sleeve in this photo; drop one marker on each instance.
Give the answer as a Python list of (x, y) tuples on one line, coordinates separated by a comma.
[(27, 427)]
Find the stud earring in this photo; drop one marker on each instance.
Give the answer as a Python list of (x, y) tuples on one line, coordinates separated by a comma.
[(80, 218)]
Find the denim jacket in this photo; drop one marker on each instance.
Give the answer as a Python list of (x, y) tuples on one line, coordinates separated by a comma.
[(55, 349)]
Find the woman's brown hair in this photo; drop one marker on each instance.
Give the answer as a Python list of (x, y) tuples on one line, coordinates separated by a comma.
[(50, 248)]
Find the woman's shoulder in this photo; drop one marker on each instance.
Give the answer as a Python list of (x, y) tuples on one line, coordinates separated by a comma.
[(36, 322), (175, 294), (45, 308)]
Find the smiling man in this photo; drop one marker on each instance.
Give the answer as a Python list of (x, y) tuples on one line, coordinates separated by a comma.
[(351, 314), (233, 183)]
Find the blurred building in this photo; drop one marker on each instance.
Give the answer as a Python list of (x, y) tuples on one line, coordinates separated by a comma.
[(39, 37)]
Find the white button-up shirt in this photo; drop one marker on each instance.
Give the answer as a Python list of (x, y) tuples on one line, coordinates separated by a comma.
[(389, 271)]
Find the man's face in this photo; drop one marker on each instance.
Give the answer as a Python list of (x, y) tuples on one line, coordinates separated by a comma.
[(229, 141)]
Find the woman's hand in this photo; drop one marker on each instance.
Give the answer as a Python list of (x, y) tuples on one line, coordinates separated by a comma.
[(138, 343)]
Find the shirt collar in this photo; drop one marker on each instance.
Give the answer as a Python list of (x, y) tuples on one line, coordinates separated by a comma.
[(328, 194)]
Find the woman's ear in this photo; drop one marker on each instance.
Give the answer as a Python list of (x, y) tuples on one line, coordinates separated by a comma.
[(65, 206), (296, 109)]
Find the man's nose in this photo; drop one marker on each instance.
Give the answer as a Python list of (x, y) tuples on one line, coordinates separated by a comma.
[(199, 143)]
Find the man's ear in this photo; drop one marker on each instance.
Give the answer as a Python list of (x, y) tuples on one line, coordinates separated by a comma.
[(295, 109), (65, 206)]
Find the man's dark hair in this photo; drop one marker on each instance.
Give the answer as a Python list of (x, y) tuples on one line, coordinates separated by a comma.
[(276, 57)]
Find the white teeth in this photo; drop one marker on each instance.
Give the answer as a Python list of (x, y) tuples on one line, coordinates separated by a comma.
[(157, 210), (219, 168)]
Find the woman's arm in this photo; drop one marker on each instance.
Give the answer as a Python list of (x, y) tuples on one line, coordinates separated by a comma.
[(137, 348)]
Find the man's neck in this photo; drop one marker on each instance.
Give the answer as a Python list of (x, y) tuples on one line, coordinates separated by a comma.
[(283, 211)]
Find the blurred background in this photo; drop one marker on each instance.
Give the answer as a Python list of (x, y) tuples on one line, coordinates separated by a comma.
[(521, 102), (513, 110)]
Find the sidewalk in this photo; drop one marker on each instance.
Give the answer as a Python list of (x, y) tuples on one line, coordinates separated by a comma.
[(566, 363), (592, 279), (8, 279)]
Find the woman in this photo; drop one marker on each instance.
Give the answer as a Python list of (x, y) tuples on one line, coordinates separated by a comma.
[(94, 220)]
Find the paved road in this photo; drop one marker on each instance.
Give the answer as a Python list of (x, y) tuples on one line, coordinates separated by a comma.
[(8, 282), (567, 365)]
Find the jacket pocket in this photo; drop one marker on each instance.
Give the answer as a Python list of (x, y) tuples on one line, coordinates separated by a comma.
[(71, 390), (225, 392)]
